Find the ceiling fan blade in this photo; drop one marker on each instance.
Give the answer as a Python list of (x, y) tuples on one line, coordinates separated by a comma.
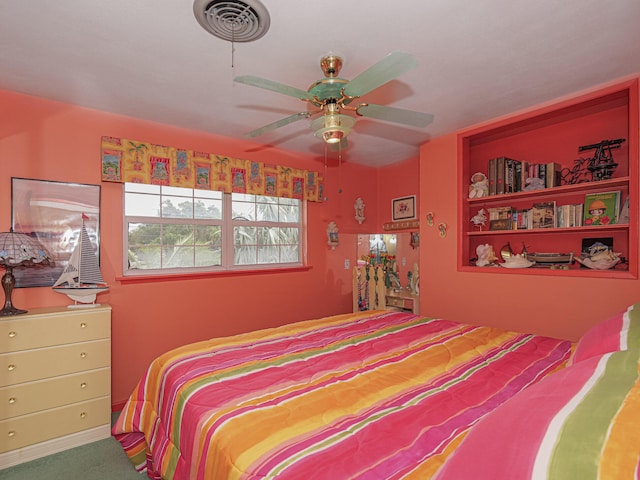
[(280, 123), (274, 86), (390, 67), (395, 115)]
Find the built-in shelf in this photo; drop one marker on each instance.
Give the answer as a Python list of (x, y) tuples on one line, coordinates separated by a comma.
[(554, 134)]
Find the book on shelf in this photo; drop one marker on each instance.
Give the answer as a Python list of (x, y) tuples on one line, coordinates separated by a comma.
[(500, 175), (553, 174), (500, 218), (543, 215), (491, 175), (623, 217), (601, 208), (569, 215)]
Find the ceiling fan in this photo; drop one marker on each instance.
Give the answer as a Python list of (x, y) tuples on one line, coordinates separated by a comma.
[(332, 95)]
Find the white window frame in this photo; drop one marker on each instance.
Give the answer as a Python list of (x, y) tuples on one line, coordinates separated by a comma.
[(227, 224)]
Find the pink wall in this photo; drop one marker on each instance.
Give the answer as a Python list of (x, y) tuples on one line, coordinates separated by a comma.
[(47, 140), (563, 307)]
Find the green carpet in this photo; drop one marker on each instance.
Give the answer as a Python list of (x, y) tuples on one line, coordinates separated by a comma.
[(101, 460)]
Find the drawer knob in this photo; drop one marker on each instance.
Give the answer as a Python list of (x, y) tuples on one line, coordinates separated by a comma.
[(12, 334), (83, 355), (83, 325), (11, 367), (11, 433), (83, 385), (83, 415), (12, 400)]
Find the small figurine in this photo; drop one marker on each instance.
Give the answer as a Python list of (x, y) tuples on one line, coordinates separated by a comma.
[(479, 185), (332, 235), (480, 218), (358, 206), (486, 255)]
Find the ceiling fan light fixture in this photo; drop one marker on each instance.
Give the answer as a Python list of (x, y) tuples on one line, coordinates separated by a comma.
[(333, 127)]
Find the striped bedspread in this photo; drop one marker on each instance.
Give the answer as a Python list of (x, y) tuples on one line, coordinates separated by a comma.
[(370, 395)]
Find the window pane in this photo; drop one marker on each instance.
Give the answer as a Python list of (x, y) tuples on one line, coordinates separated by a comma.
[(144, 257), (268, 236), (177, 234), (269, 254), (243, 211), (207, 256), (208, 194), (244, 235), (178, 257), (177, 207), (177, 191), (141, 205), (208, 209), (243, 197), (245, 255), (209, 235), (267, 212), (290, 253), (144, 234), (290, 236), (289, 213), (142, 188)]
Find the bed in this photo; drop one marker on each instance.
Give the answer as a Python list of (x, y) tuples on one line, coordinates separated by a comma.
[(376, 395)]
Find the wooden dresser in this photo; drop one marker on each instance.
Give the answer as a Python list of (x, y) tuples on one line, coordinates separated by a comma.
[(55, 381), (402, 300)]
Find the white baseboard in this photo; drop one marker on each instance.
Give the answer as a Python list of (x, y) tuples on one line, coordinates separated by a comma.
[(31, 452)]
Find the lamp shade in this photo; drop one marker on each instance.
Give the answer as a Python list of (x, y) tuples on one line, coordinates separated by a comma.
[(18, 250), (333, 127)]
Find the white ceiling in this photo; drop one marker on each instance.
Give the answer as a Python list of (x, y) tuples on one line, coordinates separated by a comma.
[(476, 60)]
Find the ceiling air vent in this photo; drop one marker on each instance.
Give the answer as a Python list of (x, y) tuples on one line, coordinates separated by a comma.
[(233, 20)]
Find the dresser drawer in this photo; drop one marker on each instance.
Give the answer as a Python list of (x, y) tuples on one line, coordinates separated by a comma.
[(40, 363), (37, 427), (47, 327), (40, 395)]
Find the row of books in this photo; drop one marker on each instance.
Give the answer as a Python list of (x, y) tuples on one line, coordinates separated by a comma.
[(597, 209), (507, 175)]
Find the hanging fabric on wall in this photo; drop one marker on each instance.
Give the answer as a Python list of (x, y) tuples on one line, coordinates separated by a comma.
[(141, 162)]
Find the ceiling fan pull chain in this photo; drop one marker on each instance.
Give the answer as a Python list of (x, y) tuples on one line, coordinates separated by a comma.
[(233, 43), (340, 168)]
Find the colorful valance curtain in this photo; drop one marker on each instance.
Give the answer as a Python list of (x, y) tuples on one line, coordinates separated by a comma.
[(141, 162)]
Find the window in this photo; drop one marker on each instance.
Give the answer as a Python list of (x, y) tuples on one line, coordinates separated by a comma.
[(177, 230)]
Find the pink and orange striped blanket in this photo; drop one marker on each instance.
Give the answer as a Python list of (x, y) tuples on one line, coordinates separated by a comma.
[(370, 395)]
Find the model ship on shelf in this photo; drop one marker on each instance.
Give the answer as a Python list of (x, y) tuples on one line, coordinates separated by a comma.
[(81, 279)]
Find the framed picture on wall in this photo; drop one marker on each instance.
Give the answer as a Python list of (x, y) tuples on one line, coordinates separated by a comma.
[(403, 208), (52, 213)]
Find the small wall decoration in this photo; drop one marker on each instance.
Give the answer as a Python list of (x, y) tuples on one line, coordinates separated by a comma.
[(358, 206), (332, 235), (415, 239), (51, 212), (403, 208)]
